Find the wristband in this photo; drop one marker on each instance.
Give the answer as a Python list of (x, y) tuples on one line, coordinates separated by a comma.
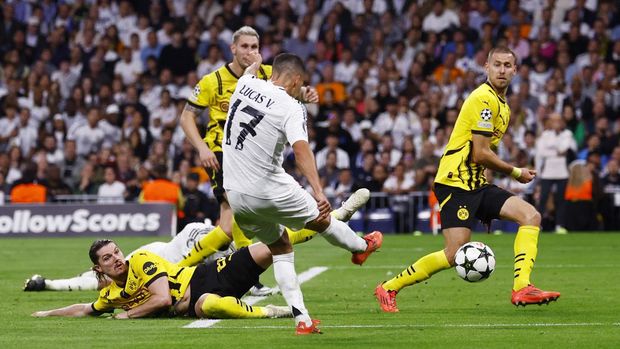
[(516, 172)]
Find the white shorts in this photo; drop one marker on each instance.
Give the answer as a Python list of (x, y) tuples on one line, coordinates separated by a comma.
[(266, 218)]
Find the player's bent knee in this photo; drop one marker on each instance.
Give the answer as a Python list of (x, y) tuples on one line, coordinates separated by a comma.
[(206, 306), (261, 255), (530, 216)]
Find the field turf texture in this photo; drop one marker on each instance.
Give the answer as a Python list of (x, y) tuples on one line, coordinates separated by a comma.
[(444, 312)]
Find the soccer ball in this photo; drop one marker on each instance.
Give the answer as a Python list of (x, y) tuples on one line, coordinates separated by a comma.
[(475, 261)]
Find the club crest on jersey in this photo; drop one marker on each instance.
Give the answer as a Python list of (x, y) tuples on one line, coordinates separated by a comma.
[(486, 114), (224, 106), (462, 213)]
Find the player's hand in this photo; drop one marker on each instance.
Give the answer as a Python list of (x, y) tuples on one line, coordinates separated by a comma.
[(323, 204), (43, 313), (121, 316), (256, 60), (208, 159), (309, 94), (527, 175)]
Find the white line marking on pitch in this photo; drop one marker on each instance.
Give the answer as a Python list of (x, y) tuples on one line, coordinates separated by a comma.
[(251, 300), (577, 324), (537, 266)]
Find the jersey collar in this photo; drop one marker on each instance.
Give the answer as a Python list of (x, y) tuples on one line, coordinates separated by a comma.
[(231, 71), (494, 92)]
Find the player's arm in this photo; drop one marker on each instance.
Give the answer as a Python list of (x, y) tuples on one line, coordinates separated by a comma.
[(75, 310), (483, 155), (188, 123), (159, 300), (304, 159), (309, 94)]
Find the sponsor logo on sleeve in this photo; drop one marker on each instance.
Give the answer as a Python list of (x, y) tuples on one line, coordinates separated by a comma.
[(149, 268)]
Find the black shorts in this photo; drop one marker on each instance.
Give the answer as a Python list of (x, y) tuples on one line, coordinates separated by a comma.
[(461, 208), (232, 275), (217, 179)]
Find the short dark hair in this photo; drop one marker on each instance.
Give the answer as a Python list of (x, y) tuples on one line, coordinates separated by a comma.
[(95, 247), (288, 62), (92, 253)]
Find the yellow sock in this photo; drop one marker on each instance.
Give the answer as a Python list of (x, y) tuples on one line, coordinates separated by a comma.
[(240, 239), (526, 247), (216, 307), (208, 245), (299, 236), (419, 271)]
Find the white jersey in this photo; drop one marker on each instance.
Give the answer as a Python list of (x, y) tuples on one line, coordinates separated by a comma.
[(180, 245), (262, 119)]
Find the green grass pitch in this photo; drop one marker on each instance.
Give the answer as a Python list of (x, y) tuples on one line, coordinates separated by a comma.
[(445, 312)]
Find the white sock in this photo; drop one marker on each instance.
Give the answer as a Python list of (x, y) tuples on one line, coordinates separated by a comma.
[(341, 235), (286, 277), (84, 282)]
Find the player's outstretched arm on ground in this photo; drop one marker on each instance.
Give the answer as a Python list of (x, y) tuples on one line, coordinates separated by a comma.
[(188, 123), (75, 310), (159, 300), (483, 155)]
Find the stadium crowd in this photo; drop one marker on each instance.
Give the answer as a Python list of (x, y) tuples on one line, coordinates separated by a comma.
[(91, 91)]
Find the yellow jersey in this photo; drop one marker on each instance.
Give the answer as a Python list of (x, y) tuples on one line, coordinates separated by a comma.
[(486, 113), (144, 268), (214, 91)]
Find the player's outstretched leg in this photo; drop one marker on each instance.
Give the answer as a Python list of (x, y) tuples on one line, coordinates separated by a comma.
[(216, 307), (419, 271), (339, 234), (208, 245), (344, 213), (86, 281)]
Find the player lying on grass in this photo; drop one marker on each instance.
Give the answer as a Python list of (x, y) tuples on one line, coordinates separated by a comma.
[(147, 285), (174, 250)]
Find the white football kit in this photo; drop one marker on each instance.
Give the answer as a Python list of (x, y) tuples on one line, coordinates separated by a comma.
[(262, 119)]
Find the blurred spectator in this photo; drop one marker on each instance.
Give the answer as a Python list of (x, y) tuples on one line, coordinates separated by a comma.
[(177, 56), (88, 137), (161, 189), (52, 153), (392, 122), (197, 204), (111, 190), (71, 164), (440, 18), (580, 209), (55, 184), (398, 183), (332, 145), (87, 184), (28, 189), (9, 127), (329, 169), (554, 149)]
